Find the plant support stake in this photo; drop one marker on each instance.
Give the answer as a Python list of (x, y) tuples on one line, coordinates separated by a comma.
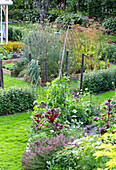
[(82, 66), (30, 57), (46, 71), (67, 53), (1, 75), (60, 71)]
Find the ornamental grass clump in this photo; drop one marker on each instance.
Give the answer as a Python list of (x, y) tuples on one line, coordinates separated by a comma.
[(41, 151), (43, 43)]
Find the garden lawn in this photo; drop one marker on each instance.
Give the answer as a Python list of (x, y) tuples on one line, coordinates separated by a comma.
[(14, 128), (13, 140)]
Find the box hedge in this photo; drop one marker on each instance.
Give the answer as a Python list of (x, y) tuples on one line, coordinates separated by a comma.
[(15, 100), (100, 81)]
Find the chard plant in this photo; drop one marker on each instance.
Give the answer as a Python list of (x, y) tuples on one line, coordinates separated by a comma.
[(46, 120), (105, 122)]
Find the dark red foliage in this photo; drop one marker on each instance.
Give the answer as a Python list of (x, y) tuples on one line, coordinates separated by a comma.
[(109, 100), (107, 126), (52, 116)]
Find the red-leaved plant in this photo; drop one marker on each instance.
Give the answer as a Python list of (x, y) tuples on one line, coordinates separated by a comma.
[(107, 120), (47, 121)]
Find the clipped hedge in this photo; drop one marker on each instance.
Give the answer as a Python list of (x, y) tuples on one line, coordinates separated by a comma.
[(15, 100), (100, 81)]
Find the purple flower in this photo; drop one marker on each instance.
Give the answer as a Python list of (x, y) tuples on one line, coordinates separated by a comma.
[(96, 118), (102, 118), (27, 95)]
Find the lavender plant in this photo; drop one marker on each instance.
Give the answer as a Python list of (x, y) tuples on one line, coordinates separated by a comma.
[(42, 151)]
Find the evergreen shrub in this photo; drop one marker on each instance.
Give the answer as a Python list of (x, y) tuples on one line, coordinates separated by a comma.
[(100, 81), (15, 100)]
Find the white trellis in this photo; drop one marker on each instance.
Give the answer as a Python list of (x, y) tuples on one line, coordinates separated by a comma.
[(4, 19)]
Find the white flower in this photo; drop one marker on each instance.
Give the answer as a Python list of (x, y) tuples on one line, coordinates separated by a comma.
[(86, 88), (51, 131), (74, 110), (74, 115), (35, 102)]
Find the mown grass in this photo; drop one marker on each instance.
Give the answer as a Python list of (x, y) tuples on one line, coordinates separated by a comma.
[(13, 140)]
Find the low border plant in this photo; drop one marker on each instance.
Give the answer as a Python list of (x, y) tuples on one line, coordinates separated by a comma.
[(15, 100)]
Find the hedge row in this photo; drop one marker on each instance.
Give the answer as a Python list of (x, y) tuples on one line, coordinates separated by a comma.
[(100, 81), (15, 100)]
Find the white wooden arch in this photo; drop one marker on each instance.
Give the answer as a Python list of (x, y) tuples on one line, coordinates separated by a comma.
[(4, 21)]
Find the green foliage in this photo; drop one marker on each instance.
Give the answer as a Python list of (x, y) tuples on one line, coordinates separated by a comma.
[(110, 23), (9, 66), (24, 14), (100, 81), (14, 33), (70, 19), (43, 43), (52, 15), (15, 100), (33, 72), (98, 8), (108, 52), (79, 155), (5, 55), (88, 41), (26, 10), (19, 66), (107, 149), (57, 95)]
